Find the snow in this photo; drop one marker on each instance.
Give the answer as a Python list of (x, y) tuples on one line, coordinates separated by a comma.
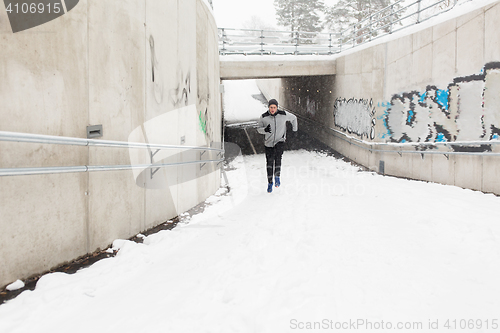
[(331, 243), (275, 58), (238, 107), (18, 284)]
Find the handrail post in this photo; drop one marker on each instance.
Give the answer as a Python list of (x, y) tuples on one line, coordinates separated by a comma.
[(262, 42), (354, 36), (371, 26), (418, 11), (340, 41), (392, 18), (223, 41), (330, 46), (296, 42)]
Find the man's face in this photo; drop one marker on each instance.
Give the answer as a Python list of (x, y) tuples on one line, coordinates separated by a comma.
[(273, 108)]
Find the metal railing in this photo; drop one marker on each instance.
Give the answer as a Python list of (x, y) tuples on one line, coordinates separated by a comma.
[(260, 42), (392, 18), (60, 140), (388, 20), (418, 147)]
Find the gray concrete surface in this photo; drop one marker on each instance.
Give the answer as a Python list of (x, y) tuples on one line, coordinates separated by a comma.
[(148, 71), (262, 67)]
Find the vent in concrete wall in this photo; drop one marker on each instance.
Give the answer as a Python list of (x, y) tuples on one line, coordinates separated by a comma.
[(94, 131)]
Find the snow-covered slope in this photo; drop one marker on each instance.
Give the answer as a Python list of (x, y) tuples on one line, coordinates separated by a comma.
[(331, 244), (239, 105)]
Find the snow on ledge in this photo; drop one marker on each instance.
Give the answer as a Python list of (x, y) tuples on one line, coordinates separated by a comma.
[(15, 285), (272, 58)]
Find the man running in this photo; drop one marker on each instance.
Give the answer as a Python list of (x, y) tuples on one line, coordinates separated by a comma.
[(273, 125)]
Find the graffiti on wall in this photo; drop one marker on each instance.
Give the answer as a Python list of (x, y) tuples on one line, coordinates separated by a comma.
[(179, 96), (305, 102), (310, 106), (155, 73), (355, 116), (203, 89), (467, 110), (420, 117), (204, 115)]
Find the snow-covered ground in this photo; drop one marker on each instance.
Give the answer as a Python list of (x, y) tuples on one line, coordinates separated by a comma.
[(331, 246)]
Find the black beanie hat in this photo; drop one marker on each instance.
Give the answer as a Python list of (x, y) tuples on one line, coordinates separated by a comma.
[(273, 101)]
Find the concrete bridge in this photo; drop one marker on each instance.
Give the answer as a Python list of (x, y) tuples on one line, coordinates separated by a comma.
[(262, 67)]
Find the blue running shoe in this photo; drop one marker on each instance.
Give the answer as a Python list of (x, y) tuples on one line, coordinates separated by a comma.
[(277, 181), (269, 187)]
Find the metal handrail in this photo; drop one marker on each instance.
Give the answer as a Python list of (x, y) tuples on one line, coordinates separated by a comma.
[(275, 42), (60, 140), (63, 140), (274, 31), (363, 144), (353, 38), (356, 34), (91, 168), (382, 10)]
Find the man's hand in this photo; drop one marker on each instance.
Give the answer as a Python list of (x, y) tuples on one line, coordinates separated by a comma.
[(268, 128)]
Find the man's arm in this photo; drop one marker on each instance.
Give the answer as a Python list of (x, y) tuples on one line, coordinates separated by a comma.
[(293, 119), (260, 126)]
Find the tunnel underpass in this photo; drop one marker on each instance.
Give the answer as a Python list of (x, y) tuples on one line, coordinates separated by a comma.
[(244, 136)]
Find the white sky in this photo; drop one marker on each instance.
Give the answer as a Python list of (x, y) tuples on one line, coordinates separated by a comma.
[(234, 13)]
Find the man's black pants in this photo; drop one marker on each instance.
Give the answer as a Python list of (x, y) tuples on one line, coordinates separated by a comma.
[(273, 160)]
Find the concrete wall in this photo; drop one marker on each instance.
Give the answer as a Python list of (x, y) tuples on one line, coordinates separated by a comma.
[(243, 67), (441, 84), (148, 71)]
